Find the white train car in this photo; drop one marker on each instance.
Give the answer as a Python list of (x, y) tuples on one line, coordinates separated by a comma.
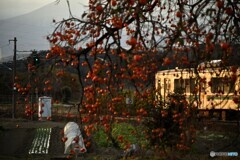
[(210, 87)]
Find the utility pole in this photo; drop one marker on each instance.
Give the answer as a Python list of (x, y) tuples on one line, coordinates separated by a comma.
[(13, 78)]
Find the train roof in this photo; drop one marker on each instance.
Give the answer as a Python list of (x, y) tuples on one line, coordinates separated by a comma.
[(172, 71), (205, 67)]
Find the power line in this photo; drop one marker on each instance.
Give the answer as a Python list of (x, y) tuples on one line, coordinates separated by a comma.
[(5, 45)]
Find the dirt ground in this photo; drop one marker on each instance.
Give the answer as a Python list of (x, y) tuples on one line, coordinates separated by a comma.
[(16, 136)]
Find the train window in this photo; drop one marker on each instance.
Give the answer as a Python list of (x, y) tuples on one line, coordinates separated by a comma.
[(203, 85), (191, 85), (159, 84), (217, 85), (238, 89), (220, 85), (179, 86), (184, 85), (166, 85), (229, 86)]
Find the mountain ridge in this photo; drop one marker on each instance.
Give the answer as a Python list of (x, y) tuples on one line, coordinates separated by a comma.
[(31, 29)]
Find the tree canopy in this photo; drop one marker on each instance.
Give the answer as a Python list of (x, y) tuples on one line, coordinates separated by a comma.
[(117, 46)]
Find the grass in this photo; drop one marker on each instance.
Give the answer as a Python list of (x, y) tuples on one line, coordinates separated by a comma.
[(131, 135), (206, 141)]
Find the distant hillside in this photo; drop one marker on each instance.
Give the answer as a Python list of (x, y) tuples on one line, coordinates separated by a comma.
[(31, 29), (10, 58)]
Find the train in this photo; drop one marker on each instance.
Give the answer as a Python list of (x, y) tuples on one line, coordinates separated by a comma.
[(212, 88)]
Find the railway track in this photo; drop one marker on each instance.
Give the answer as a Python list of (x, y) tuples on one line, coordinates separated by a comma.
[(219, 125), (227, 122)]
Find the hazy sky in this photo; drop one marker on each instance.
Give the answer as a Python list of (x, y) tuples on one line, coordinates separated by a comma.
[(12, 8), (31, 33)]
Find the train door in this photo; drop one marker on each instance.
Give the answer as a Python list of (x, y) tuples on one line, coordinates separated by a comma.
[(166, 88), (202, 91), (159, 90)]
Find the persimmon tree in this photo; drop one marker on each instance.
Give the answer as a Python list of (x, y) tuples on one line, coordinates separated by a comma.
[(117, 47)]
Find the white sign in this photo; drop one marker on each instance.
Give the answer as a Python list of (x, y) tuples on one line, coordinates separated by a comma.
[(44, 107)]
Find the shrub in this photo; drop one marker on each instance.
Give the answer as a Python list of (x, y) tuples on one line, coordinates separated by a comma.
[(171, 126)]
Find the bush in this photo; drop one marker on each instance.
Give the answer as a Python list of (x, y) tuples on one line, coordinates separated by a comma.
[(171, 126)]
